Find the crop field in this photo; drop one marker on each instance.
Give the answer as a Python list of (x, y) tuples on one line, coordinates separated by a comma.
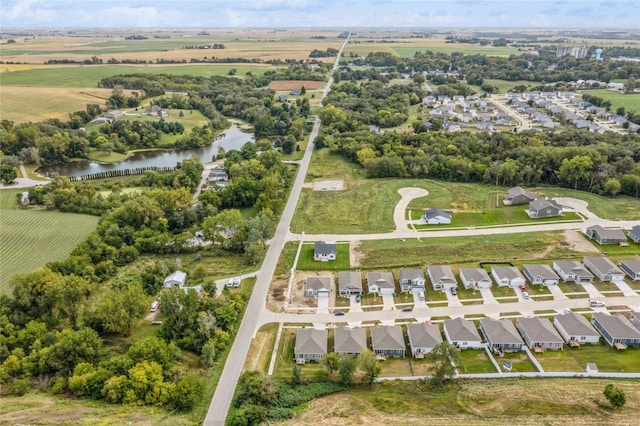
[(31, 238), (630, 102)]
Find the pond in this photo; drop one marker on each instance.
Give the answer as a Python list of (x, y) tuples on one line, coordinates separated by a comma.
[(232, 138)]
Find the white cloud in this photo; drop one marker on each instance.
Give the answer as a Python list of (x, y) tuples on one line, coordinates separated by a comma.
[(29, 11)]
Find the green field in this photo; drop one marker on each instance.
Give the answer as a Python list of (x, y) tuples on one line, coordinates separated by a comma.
[(408, 48), (606, 358), (31, 238), (475, 362), (89, 76), (630, 102), (618, 208)]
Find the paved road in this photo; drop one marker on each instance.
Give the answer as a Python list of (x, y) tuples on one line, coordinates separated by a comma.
[(233, 367), (502, 104), (23, 182)]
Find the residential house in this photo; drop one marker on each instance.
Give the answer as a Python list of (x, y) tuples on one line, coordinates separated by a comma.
[(501, 335), (349, 283), (485, 126), (442, 277), (475, 278), (411, 279), (451, 126), (518, 195), (388, 341), (324, 251), (540, 274), (634, 317), (634, 234), (539, 334), (606, 236), (381, 283), (423, 338), (617, 331), (295, 92), (176, 279), (217, 174), (317, 287), (575, 329), (437, 216), (282, 98), (603, 268), (311, 344), (462, 334), (543, 208), (156, 111), (571, 270), (349, 341), (632, 268), (112, 114), (507, 276)]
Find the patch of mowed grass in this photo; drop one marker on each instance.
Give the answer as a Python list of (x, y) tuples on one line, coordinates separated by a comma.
[(306, 262), (261, 349), (285, 359), (474, 361), (520, 362), (629, 101), (617, 208), (504, 247), (606, 358), (105, 157)]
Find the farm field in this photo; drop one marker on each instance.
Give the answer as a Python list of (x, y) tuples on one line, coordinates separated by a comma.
[(407, 47), (477, 402), (31, 238), (630, 102)]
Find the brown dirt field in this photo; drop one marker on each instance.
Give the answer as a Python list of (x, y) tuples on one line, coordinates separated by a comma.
[(355, 254), (578, 243), (295, 84)]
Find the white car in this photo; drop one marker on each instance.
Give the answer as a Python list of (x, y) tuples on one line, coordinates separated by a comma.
[(596, 304), (525, 295)]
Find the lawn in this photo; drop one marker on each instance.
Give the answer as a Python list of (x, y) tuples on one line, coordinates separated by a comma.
[(630, 102), (285, 362), (32, 238), (306, 262), (618, 208), (105, 157), (260, 351), (576, 359), (475, 362), (498, 216), (519, 360)]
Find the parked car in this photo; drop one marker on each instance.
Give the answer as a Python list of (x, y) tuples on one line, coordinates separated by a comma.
[(522, 289), (358, 298), (421, 296), (596, 304), (154, 306), (454, 292), (339, 313), (525, 295), (407, 309)]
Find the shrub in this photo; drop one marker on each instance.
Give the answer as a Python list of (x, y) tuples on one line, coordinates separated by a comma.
[(280, 413), (19, 387)]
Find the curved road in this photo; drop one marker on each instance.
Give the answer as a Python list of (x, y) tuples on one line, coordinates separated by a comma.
[(235, 361)]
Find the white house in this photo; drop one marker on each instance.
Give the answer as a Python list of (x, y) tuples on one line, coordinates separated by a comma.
[(324, 251), (411, 279), (575, 329), (507, 276), (177, 279), (381, 283), (437, 216), (442, 277), (540, 274), (475, 278), (603, 268)]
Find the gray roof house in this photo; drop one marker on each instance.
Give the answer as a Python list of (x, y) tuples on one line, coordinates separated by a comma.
[(606, 236), (575, 329), (518, 195), (539, 334), (634, 233), (349, 341), (437, 216), (176, 279), (388, 341), (634, 317), (442, 277), (411, 279), (571, 270), (543, 208), (311, 344), (317, 286), (501, 335), (324, 251), (475, 278), (381, 283), (507, 276), (616, 330), (349, 282), (462, 334), (423, 338), (603, 268), (632, 268), (540, 274)]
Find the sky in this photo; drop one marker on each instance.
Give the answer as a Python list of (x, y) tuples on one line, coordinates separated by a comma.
[(567, 14)]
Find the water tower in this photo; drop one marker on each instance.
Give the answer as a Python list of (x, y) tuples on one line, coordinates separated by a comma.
[(598, 54)]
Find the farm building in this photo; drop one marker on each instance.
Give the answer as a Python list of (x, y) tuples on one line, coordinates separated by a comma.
[(176, 279)]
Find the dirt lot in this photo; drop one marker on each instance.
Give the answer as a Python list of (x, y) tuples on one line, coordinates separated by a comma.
[(578, 243), (355, 254), (277, 296), (295, 84)]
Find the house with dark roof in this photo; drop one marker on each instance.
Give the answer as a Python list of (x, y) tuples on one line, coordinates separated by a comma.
[(507, 276), (539, 334), (631, 267), (349, 341), (543, 208), (324, 251), (475, 278), (462, 334), (437, 216), (411, 279), (423, 338), (501, 335), (571, 270), (388, 341), (617, 331), (634, 234), (575, 329), (441, 277), (349, 283), (540, 274), (381, 283), (317, 287), (603, 268), (311, 344), (606, 236), (518, 195)]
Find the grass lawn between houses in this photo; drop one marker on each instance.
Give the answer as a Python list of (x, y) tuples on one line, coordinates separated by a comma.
[(475, 361), (306, 262), (576, 359)]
